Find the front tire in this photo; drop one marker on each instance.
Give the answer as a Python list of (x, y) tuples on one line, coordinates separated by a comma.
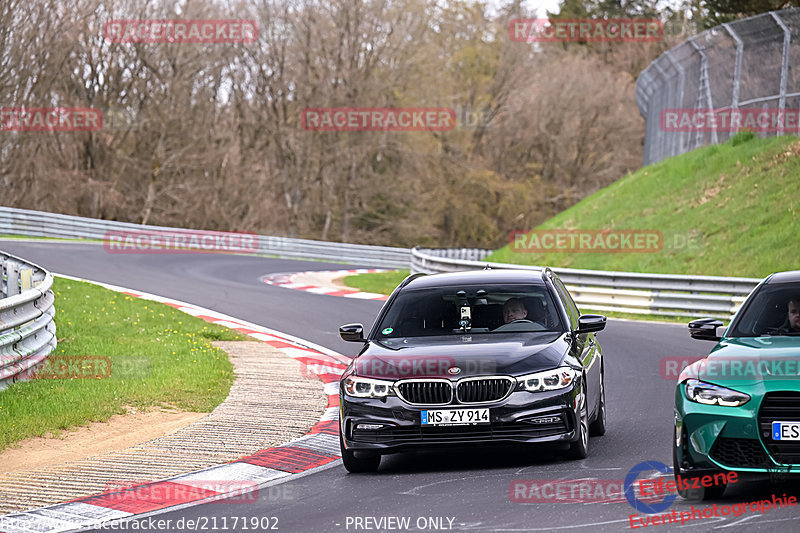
[(598, 427), (363, 463), (714, 492), (580, 448)]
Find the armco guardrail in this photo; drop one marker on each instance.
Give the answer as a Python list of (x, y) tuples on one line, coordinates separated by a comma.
[(41, 224), (627, 292), (649, 294), (27, 329)]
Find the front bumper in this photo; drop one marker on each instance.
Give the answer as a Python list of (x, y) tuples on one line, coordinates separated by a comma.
[(511, 421), (718, 438)]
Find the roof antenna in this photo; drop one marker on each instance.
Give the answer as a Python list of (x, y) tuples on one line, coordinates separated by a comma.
[(487, 267)]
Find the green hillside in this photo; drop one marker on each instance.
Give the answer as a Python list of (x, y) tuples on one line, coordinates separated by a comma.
[(728, 210)]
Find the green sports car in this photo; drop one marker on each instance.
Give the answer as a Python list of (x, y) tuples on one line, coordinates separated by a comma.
[(738, 409)]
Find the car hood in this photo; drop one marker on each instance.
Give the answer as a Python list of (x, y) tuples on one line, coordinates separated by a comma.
[(461, 356), (749, 360)]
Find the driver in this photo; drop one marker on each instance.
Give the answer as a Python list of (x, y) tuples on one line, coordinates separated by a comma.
[(514, 310), (793, 314)]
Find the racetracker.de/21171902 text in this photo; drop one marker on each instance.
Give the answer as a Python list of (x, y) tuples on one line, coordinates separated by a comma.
[(201, 523)]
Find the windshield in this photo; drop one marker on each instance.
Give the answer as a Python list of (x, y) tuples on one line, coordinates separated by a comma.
[(470, 309), (773, 310)]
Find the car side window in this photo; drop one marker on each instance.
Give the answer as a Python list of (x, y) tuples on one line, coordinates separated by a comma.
[(766, 311), (569, 305)]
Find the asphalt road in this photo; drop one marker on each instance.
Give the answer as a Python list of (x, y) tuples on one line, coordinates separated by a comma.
[(466, 490)]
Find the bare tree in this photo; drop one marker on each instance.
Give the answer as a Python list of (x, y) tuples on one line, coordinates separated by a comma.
[(209, 135)]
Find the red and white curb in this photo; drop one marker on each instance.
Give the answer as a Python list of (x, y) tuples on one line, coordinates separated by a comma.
[(321, 282), (319, 447)]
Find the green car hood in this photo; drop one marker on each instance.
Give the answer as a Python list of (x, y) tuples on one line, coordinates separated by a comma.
[(746, 361)]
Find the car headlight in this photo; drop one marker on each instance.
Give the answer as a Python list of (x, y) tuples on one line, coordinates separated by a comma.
[(367, 388), (709, 394), (558, 378)]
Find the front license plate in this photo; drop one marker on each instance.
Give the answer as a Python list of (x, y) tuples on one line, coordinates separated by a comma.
[(455, 417), (786, 431)]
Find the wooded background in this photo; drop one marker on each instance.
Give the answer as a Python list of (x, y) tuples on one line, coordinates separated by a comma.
[(208, 136)]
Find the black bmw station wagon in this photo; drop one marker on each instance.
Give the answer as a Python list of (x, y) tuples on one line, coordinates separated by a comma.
[(484, 356)]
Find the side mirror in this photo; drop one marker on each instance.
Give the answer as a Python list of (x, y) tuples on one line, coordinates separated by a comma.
[(590, 323), (352, 332), (706, 329)]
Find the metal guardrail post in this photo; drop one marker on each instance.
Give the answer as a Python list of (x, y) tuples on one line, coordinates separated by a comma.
[(3, 289), (12, 278), (25, 278)]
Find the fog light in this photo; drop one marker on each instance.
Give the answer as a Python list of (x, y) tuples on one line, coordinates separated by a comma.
[(369, 427)]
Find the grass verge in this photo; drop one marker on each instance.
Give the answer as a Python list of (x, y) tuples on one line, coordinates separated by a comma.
[(379, 282), (727, 210), (159, 356)]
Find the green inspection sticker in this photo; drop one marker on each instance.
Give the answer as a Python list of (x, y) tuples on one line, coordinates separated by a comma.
[(387, 331)]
